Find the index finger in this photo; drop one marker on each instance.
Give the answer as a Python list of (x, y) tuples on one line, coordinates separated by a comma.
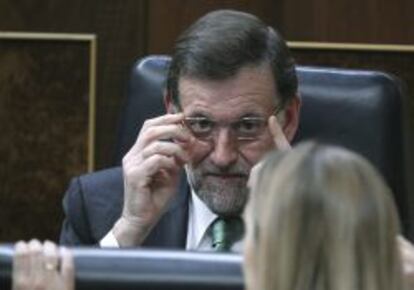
[(163, 120), (254, 175), (277, 133)]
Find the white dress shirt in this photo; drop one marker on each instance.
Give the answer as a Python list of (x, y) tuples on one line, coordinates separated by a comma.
[(200, 218)]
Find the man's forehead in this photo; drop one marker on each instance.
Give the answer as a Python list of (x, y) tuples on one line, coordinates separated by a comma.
[(252, 85)]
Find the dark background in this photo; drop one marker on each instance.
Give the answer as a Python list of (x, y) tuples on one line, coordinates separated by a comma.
[(129, 29)]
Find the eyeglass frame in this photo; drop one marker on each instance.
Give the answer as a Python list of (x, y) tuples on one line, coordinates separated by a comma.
[(278, 108)]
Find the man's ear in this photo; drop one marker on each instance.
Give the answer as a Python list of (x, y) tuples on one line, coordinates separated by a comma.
[(292, 113), (169, 103)]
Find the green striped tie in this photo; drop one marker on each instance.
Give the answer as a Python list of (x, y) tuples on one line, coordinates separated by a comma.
[(225, 232)]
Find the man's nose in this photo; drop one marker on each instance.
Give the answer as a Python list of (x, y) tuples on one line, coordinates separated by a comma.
[(225, 151)]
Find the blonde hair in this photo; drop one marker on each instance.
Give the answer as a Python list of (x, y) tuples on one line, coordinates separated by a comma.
[(325, 220)]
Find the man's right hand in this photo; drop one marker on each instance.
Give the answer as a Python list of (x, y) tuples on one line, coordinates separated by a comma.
[(151, 171)]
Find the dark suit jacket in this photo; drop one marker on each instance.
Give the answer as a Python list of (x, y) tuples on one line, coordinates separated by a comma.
[(93, 203)]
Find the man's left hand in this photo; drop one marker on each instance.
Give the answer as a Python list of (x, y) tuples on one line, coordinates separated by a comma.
[(407, 256), (279, 137)]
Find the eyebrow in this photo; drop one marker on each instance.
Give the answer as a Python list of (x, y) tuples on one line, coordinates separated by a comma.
[(204, 114), (199, 114), (251, 115)]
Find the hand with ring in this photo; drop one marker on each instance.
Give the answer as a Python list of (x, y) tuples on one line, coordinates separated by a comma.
[(47, 267)]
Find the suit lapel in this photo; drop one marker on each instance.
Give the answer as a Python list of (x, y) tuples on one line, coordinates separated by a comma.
[(171, 230)]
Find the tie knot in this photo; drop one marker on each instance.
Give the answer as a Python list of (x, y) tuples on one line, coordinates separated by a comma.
[(225, 232)]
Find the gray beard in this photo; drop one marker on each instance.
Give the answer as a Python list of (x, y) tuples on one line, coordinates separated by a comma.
[(222, 198)]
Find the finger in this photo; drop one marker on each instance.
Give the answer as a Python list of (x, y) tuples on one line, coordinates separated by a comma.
[(404, 242), (407, 256), (37, 270), (169, 149), (67, 269), (405, 246), (254, 174), (164, 120), (278, 135), (21, 267), (51, 259), (167, 173), (162, 175), (167, 119), (155, 163), (164, 132), (150, 170), (407, 253)]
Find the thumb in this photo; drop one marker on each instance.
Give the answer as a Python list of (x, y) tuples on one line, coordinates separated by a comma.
[(279, 138)]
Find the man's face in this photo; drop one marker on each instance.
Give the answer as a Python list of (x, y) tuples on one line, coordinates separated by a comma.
[(220, 164)]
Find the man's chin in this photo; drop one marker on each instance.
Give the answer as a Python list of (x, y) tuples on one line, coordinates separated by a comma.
[(224, 200)]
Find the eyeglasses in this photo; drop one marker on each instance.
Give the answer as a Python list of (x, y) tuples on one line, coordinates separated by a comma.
[(245, 129)]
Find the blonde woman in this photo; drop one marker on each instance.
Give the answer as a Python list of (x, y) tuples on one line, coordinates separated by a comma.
[(321, 218)]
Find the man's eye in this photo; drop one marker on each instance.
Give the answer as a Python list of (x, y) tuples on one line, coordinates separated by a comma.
[(200, 125), (249, 126)]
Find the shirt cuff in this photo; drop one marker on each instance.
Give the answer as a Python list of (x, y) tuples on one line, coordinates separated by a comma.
[(109, 241)]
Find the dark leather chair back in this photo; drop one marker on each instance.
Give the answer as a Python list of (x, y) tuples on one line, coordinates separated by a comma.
[(121, 269), (360, 110)]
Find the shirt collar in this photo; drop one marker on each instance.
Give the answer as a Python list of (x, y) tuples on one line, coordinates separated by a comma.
[(200, 218)]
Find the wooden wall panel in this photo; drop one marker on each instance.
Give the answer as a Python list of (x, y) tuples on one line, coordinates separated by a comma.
[(120, 30), (167, 19), (367, 21), (44, 120)]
